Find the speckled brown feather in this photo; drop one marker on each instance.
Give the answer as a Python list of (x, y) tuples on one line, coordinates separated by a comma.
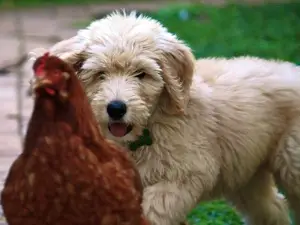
[(67, 173)]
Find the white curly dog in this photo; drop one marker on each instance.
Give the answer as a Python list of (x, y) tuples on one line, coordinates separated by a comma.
[(197, 130)]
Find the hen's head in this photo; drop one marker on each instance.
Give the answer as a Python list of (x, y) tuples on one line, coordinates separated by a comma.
[(51, 76)]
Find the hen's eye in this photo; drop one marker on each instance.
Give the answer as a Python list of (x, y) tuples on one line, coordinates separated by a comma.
[(140, 75)]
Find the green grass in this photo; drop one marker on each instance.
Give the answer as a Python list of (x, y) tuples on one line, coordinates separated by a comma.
[(268, 31), (214, 213)]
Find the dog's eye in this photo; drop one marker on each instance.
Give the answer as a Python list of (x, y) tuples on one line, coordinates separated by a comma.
[(140, 75), (101, 75)]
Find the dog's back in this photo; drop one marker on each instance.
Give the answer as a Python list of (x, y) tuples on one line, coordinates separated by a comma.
[(255, 101), (278, 81)]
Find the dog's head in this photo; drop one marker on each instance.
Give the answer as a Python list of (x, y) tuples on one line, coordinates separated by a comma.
[(131, 67)]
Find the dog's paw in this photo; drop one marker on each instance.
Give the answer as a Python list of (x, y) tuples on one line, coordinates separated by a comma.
[(161, 206), (153, 208)]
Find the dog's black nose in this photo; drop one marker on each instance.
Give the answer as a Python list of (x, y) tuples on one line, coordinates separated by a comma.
[(116, 109)]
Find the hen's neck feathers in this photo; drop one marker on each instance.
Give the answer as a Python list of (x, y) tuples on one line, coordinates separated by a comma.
[(50, 114)]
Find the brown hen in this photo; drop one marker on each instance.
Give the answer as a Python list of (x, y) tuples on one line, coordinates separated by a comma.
[(67, 173)]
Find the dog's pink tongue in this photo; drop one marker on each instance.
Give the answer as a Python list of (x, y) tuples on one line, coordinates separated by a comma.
[(118, 129)]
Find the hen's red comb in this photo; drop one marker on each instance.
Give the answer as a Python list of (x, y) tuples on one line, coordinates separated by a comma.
[(40, 68)]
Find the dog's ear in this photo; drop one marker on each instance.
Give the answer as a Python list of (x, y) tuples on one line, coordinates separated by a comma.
[(70, 50), (177, 64)]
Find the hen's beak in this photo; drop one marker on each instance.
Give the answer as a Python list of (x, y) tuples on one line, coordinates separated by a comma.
[(38, 82)]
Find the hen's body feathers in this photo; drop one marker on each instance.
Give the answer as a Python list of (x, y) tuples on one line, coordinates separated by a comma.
[(68, 174)]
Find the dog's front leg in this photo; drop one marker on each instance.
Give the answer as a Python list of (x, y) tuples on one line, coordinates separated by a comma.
[(168, 203)]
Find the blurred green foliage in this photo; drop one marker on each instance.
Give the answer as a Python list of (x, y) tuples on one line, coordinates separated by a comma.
[(268, 31)]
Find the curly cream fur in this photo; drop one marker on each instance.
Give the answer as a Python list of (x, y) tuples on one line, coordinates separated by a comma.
[(221, 127)]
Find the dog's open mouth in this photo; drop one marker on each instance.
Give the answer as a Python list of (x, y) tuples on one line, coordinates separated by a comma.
[(119, 129)]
